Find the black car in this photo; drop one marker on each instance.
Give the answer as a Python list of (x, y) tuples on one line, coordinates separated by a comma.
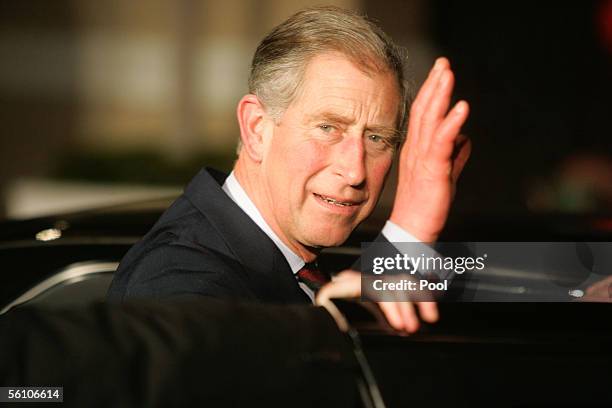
[(493, 354)]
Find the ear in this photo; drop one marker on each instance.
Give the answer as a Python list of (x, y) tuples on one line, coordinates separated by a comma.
[(251, 118)]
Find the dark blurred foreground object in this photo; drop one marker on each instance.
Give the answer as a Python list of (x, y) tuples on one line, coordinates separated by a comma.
[(189, 353), (211, 353)]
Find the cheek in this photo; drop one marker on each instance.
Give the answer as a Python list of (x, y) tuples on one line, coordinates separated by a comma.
[(293, 166), (304, 161)]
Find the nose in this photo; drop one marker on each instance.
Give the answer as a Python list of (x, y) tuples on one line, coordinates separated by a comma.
[(350, 163)]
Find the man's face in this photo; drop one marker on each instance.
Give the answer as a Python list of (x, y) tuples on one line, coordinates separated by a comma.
[(326, 159)]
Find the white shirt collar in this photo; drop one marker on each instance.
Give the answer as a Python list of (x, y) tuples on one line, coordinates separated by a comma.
[(235, 191)]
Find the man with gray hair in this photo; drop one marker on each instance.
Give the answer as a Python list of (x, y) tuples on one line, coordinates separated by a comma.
[(319, 129)]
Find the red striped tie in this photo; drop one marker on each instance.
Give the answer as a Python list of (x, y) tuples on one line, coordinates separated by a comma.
[(312, 276)]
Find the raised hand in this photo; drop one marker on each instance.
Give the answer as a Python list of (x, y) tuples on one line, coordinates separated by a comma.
[(432, 157)]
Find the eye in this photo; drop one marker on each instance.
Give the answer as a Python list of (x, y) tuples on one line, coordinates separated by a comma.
[(379, 143), (326, 128), (376, 138)]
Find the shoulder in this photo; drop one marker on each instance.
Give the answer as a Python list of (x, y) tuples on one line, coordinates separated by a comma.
[(183, 254)]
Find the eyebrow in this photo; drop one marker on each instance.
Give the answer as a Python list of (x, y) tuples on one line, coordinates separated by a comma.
[(392, 133)]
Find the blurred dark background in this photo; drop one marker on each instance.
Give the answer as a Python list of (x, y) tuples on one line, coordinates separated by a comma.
[(105, 102)]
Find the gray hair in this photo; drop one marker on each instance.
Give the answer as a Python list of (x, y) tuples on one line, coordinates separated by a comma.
[(280, 60)]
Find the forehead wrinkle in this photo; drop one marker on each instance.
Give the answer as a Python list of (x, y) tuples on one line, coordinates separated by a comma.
[(348, 111), (351, 102), (334, 110)]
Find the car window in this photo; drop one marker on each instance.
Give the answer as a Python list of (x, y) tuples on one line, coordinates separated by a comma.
[(77, 284), (75, 292)]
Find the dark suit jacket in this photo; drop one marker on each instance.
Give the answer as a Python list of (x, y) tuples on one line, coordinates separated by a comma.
[(204, 244)]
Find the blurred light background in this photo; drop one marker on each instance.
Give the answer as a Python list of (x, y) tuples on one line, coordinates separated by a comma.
[(106, 102)]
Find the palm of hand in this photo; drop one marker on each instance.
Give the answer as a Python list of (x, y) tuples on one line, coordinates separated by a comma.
[(432, 157)]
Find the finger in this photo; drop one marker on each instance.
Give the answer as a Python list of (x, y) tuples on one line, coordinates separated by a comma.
[(349, 286), (428, 311), (463, 151), (392, 314), (436, 110), (443, 144), (422, 101), (409, 316), (346, 274)]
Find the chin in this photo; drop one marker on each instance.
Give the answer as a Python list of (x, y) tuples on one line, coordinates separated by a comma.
[(326, 239)]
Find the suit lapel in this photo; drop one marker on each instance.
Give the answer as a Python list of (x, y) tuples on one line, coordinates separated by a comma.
[(267, 269)]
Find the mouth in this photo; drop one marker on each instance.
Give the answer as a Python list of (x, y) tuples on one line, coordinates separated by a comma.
[(336, 202)]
